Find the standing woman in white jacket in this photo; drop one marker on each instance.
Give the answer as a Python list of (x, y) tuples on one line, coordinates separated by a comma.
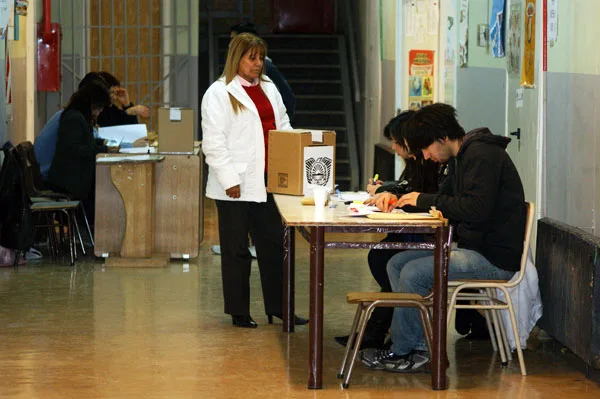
[(238, 110)]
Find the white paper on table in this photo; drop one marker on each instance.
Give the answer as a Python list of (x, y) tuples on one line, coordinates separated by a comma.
[(138, 150), (123, 133), (354, 196)]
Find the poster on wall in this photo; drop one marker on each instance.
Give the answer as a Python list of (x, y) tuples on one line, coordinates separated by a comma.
[(450, 56), (6, 9), (552, 22), (463, 32), (514, 39), (497, 28), (420, 78), (21, 7), (528, 67)]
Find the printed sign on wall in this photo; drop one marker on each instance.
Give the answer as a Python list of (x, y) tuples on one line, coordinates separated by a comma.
[(420, 78), (514, 39)]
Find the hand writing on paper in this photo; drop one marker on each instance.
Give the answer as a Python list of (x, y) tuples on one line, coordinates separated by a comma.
[(373, 186), (385, 201), (408, 199), (234, 192)]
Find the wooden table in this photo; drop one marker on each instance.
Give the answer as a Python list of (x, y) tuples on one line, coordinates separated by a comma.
[(178, 228), (313, 224), (133, 176)]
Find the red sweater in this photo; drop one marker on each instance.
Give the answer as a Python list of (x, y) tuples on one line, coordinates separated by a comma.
[(265, 111)]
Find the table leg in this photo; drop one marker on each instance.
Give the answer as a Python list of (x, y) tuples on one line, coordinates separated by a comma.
[(317, 246), (289, 277), (440, 297)]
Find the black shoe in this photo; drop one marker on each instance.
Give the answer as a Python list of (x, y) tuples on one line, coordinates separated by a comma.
[(299, 321), (462, 321), (367, 342), (243, 321)]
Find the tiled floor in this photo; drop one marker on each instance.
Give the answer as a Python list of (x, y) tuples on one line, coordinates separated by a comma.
[(95, 332)]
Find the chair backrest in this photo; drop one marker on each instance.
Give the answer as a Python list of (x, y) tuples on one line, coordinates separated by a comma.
[(26, 150), (528, 230)]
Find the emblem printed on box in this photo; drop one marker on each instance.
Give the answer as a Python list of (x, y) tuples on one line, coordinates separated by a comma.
[(282, 180), (318, 170)]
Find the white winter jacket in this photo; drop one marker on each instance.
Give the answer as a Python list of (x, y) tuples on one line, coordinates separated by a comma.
[(233, 144)]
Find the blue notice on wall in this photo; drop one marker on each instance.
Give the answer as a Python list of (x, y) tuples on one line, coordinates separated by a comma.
[(497, 28)]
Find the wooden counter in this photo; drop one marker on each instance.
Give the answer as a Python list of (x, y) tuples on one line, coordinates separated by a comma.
[(178, 224)]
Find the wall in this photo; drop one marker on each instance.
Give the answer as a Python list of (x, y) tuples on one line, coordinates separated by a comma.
[(573, 118), (371, 82), (481, 85), (21, 125)]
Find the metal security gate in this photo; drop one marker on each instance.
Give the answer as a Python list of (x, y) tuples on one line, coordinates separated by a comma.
[(146, 44)]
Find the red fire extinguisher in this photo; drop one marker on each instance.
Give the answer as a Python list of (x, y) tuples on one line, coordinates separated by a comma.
[(49, 36)]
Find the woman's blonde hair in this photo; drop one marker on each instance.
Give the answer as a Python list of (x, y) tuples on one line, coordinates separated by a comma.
[(238, 47)]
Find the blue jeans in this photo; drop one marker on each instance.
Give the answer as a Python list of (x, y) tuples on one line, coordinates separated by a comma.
[(412, 272)]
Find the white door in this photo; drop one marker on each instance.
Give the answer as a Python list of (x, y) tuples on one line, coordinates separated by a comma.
[(522, 111)]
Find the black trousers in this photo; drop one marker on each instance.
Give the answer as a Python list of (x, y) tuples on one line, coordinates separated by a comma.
[(262, 220)]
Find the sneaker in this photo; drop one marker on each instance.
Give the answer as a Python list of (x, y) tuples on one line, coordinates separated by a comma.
[(374, 358), (384, 359), (414, 362)]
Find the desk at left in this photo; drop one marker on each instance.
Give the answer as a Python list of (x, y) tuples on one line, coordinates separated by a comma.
[(178, 216)]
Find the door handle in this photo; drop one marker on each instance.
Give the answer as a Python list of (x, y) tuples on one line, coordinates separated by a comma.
[(517, 133)]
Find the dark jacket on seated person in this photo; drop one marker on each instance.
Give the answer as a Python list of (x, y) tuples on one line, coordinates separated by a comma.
[(74, 165), (113, 116)]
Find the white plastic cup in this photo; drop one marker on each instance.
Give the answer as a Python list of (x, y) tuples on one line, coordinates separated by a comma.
[(320, 195)]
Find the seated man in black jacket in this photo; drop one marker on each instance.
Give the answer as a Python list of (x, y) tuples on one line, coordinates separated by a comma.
[(418, 175), (482, 196)]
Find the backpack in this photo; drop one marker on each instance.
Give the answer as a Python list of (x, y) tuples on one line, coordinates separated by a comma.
[(16, 220)]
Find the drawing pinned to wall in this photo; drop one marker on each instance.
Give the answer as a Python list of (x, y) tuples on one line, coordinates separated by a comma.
[(514, 39), (421, 18), (6, 9), (552, 22), (497, 28), (21, 7), (409, 9), (420, 78), (463, 33), (483, 35), (433, 17), (528, 67)]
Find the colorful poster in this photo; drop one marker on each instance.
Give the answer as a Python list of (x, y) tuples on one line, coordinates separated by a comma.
[(528, 67), (514, 39), (420, 78), (497, 28), (463, 33)]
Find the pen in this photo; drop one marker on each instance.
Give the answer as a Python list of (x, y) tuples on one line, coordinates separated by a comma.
[(375, 178)]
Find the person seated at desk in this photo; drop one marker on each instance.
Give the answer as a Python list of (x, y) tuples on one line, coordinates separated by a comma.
[(482, 196), (238, 110), (45, 144), (418, 174), (73, 168), (121, 110)]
